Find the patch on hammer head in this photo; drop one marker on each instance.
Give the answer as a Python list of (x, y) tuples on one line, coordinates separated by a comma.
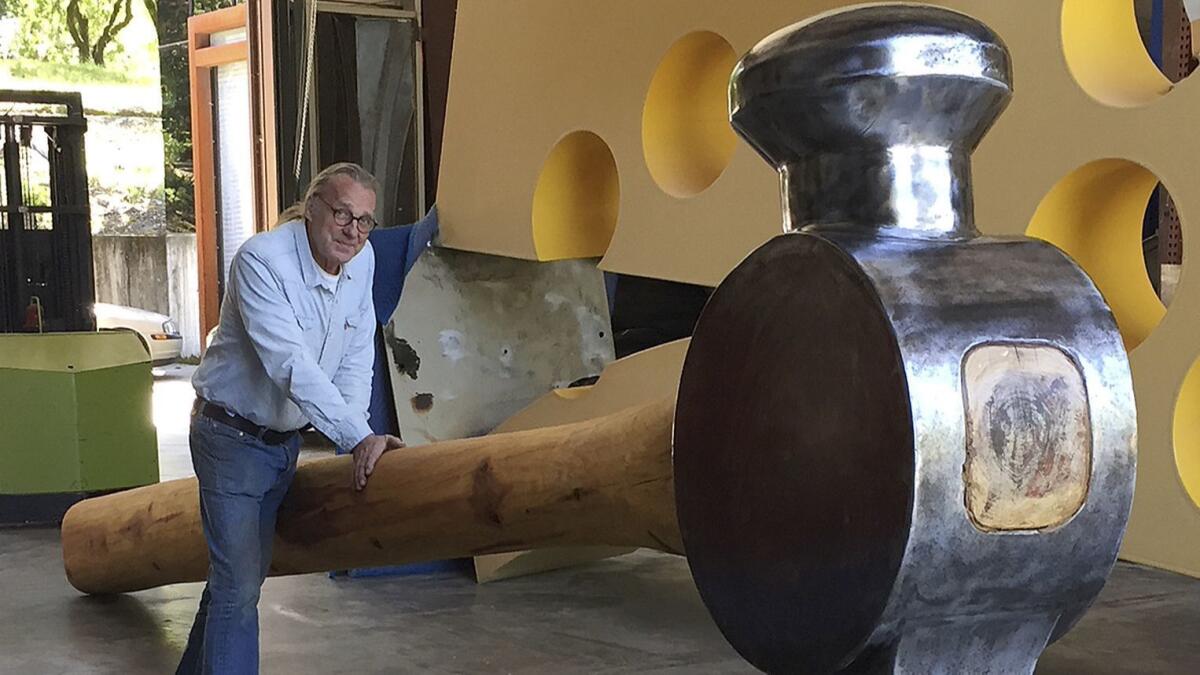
[(1029, 436)]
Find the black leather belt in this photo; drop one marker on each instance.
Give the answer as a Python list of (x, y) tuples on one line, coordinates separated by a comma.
[(219, 414)]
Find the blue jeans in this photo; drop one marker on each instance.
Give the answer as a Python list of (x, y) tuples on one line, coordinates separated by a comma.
[(242, 482)]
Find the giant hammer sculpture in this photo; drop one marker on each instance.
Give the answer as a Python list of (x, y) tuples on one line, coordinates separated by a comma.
[(897, 446)]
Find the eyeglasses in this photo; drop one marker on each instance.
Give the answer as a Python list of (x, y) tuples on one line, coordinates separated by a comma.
[(364, 223)]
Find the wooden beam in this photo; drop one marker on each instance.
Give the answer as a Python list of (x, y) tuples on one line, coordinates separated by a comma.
[(220, 20), (209, 57), (201, 58), (203, 177), (603, 481)]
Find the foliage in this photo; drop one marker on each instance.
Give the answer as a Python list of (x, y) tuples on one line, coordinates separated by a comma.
[(179, 184), (84, 21), (84, 31), (51, 54), (43, 35), (177, 138), (35, 70), (37, 193), (180, 199), (202, 6)]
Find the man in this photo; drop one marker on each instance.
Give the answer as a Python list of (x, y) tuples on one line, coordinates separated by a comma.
[(295, 346)]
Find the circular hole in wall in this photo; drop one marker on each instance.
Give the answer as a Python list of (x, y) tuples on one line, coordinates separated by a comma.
[(1127, 53), (687, 140), (1097, 215), (577, 198), (1185, 433)]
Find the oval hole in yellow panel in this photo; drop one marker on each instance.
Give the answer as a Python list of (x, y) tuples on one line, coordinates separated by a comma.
[(1186, 433), (572, 393), (1095, 215), (577, 198), (687, 140), (1106, 55)]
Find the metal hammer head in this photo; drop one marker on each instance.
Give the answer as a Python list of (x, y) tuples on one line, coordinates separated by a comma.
[(870, 116), (897, 447), (876, 76)]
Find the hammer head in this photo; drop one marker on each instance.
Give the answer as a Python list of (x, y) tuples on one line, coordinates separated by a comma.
[(871, 77), (898, 447)]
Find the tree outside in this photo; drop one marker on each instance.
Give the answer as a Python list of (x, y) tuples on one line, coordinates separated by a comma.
[(77, 31), (128, 58), (176, 106)]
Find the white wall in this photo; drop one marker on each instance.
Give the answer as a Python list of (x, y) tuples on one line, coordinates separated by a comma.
[(184, 292)]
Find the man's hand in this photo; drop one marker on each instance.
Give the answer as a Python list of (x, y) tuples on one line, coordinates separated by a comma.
[(367, 452)]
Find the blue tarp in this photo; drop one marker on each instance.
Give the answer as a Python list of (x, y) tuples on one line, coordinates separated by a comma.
[(396, 251)]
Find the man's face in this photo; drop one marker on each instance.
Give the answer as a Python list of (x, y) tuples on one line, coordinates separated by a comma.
[(334, 245)]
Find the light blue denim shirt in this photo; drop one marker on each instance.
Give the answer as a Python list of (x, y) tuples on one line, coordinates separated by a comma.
[(293, 346)]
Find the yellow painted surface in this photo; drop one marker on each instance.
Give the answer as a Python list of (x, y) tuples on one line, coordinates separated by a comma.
[(1104, 51), (576, 201), (572, 393), (1095, 215), (1078, 145), (686, 137), (1187, 433)]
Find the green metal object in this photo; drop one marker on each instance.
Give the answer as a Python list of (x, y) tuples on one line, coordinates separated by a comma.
[(75, 414)]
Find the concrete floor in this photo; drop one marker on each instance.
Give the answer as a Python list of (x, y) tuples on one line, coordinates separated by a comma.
[(634, 614)]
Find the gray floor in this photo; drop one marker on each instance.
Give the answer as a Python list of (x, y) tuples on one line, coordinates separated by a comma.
[(635, 614)]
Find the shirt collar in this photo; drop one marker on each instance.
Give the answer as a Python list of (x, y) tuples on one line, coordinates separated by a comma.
[(308, 265)]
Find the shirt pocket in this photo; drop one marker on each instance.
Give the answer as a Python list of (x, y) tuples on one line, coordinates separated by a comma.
[(344, 335), (309, 323), (303, 302), (313, 331), (308, 318)]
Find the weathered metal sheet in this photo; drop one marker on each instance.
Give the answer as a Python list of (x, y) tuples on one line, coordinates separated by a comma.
[(476, 338)]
